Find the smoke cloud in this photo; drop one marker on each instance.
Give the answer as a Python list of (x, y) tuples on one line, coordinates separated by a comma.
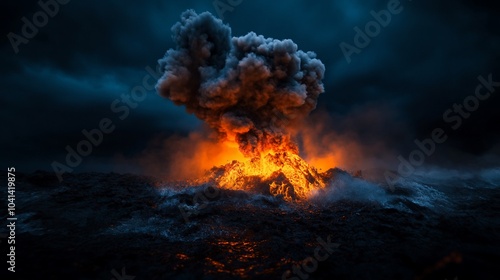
[(249, 89)]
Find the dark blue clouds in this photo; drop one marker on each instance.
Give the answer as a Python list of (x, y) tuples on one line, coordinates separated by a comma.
[(92, 52)]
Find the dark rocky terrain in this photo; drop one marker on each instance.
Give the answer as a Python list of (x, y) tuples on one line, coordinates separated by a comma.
[(107, 226)]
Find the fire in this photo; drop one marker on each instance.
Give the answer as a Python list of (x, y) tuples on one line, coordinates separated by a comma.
[(281, 172), (250, 91), (201, 158), (276, 170)]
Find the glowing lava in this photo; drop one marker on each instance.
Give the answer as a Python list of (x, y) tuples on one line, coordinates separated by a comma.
[(279, 173)]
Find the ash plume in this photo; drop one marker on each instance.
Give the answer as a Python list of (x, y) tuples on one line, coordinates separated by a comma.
[(249, 89)]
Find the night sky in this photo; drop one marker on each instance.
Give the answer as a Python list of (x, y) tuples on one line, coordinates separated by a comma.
[(395, 90)]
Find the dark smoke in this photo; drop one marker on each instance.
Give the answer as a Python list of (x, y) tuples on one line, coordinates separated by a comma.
[(250, 89)]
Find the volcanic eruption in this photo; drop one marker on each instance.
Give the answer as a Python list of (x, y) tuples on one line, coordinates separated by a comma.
[(252, 91)]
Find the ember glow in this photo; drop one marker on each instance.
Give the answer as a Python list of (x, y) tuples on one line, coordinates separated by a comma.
[(285, 173), (253, 92)]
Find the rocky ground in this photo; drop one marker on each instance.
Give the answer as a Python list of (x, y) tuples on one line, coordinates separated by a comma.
[(114, 226)]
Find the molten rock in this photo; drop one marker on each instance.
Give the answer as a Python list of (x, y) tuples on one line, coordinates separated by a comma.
[(281, 173)]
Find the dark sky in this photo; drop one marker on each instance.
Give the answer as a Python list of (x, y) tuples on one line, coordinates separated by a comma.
[(66, 77)]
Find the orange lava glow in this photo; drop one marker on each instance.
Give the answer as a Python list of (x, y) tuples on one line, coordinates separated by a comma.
[(285, 173), (278, 170)]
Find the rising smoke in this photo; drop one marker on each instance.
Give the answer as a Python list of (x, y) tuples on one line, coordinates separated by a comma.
[(249, 89)]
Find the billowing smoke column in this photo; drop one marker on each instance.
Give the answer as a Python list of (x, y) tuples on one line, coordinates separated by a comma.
[(249, 89)]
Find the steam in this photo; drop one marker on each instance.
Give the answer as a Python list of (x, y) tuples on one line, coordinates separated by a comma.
[(249, 89)]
